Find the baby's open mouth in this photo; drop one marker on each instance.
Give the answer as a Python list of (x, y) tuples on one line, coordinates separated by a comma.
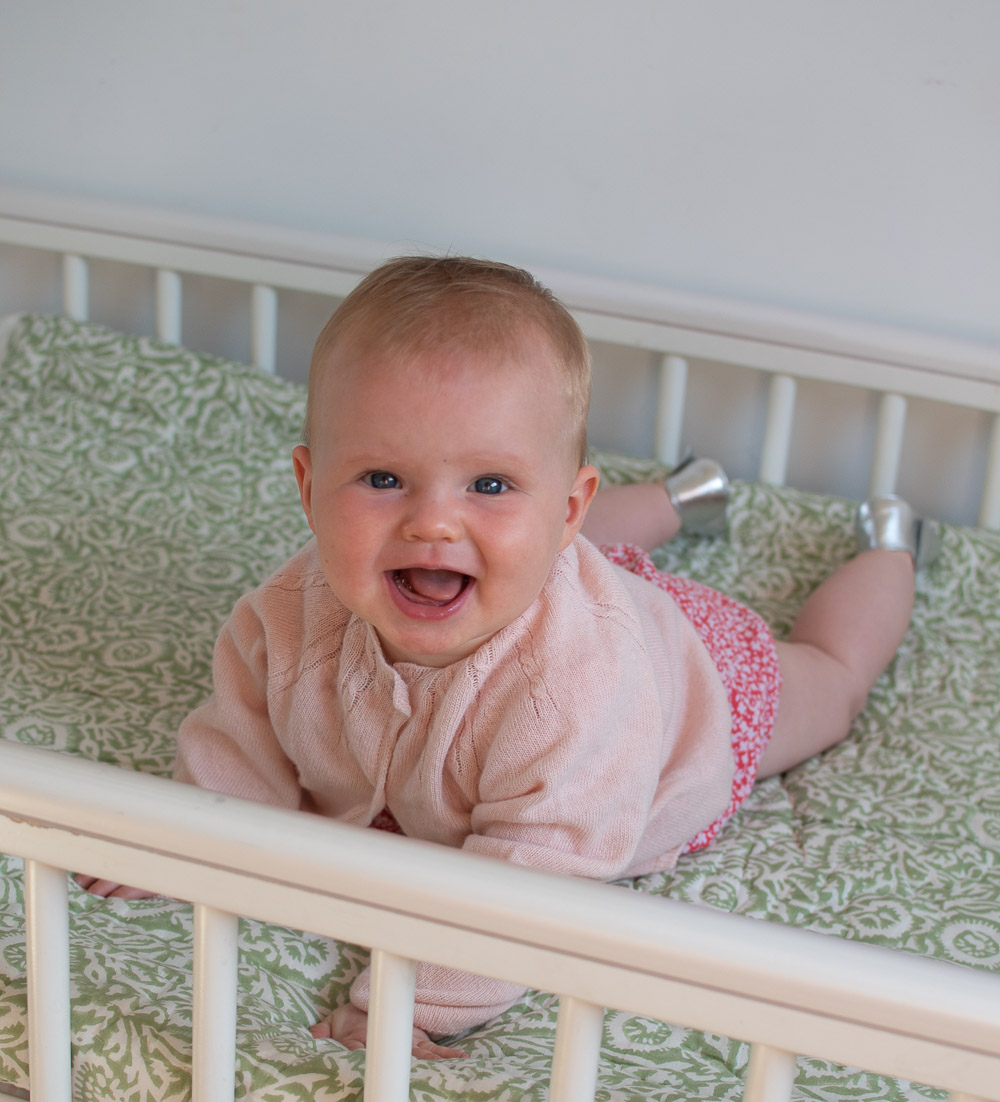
[(430, 587)]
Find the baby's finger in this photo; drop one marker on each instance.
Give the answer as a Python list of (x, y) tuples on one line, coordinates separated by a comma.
[(426, 1049), (96, 886), (111, 889), (125, 891)]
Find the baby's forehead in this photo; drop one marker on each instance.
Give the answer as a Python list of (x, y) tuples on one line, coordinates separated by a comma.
[(521, 397), (527, 360)]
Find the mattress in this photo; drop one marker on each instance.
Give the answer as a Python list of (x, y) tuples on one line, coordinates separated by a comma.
[(143, 487)]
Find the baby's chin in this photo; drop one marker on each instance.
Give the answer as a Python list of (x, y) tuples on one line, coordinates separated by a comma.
[(424, 653), (395, 655)]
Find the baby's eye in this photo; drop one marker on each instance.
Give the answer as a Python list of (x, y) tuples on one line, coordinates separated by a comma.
[(382, 480), (489, 484)]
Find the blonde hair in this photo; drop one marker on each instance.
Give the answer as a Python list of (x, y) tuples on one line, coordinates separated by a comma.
[(420, 304)]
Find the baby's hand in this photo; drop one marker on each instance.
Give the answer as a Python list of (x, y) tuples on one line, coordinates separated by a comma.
[(349, 1025), (110, 888)]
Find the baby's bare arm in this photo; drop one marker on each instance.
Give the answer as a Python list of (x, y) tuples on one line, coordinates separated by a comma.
[(349, 1025)]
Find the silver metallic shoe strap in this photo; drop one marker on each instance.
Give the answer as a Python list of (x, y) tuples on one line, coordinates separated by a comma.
[(699, 491), (889, 523)]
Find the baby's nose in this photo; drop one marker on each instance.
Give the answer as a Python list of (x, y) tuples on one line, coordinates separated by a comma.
[(431, 519)]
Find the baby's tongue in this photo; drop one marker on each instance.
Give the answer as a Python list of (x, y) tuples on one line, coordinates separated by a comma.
[(439, 586)]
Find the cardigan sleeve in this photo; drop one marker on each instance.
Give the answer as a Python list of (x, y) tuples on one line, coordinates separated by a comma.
[(570, 769), (613, 749), (448, 1000), (229, 744)]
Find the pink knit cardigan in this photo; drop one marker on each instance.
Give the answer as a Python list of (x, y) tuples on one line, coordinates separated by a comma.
[(589, 737)]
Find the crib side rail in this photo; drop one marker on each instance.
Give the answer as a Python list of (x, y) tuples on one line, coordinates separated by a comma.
[(787, 991), (781, 342), (787, 346), (615, 310)]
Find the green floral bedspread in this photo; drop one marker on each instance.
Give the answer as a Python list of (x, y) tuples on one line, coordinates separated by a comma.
[(142, 488)]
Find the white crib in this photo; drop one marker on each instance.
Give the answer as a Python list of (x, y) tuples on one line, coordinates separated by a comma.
[(788, 992)]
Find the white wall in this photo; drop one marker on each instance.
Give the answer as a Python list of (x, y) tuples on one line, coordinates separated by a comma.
[(838, 156)]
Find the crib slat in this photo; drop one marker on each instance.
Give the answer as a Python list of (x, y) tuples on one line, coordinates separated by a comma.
[(670, 409), (76, 287), (778, 430), (989, 503), (46, 905), (770, 1075), (168, 305), (264, 335), (216, 954), (390, 1028), (577, 1050), (888, 445)]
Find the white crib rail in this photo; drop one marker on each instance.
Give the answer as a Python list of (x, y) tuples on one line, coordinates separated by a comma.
[(942, 386), (390, 1032), (778, 430), (47, 954), (785, 990), (169, 308), (214, 993), (786, 345)]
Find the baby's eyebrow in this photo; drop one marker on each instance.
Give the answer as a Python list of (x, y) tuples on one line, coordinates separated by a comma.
[(508, 464)]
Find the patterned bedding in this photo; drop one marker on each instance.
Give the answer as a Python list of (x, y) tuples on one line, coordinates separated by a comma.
[(143, 487)]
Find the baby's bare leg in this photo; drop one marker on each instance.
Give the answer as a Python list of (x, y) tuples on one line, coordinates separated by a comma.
[(693, 497), (844, 637), (639, 513)]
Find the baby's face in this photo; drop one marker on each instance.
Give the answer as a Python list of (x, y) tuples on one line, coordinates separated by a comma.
[(440, 495)]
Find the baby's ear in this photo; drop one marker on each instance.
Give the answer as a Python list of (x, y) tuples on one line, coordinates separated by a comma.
[(302, 462), (581, 494)]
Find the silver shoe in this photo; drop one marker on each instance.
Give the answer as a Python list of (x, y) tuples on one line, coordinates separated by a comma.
[(699, 491), (889, 523)]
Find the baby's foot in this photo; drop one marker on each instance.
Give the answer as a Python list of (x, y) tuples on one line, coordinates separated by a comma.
[(699, 492), (888, 523)]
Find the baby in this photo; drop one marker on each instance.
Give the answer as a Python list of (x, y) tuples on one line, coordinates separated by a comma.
[(453, 650)]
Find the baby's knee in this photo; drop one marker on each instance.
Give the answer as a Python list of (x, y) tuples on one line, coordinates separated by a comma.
[(819, 687)]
